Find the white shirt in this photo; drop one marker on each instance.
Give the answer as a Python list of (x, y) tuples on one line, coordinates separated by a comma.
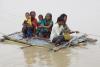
[(56, 30)]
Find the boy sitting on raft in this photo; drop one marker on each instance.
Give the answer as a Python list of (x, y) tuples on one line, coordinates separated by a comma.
[(55, 36), (59, 35), (34, 21)]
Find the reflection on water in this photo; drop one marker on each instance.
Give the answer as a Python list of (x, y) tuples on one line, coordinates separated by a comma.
[(12, 56), (38, 56)]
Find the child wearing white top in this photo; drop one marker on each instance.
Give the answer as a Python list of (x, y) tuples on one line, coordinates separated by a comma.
[(56, 31)]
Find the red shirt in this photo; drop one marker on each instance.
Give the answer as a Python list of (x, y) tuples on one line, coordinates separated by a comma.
[(34, 23)]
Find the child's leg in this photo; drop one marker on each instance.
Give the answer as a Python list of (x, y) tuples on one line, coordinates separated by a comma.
[(29, 31), (24, 31), (59, 40), (56, 41), (41, 32)]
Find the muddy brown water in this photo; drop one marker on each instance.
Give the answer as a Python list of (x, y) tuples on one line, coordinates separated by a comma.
[(11, 55)]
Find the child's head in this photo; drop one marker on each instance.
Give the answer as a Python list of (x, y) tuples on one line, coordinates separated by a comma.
[(27, 15), (33, 14), (64, 16), (40, 17), (48, 16), (60, 21)]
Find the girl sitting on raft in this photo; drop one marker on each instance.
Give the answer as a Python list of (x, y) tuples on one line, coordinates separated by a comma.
[(45, 25), (41, 31), (48, 25)]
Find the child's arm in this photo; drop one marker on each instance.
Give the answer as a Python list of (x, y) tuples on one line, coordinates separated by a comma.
[(50, 25)]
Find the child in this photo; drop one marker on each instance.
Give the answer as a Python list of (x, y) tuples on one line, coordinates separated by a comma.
[(27, 26), (24, 29), (41, 31), (55, 36), (64, 17), (49, 23), (34, 21), (66, 28)]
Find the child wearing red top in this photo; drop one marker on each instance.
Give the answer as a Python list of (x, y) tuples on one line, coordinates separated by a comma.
[(34, 21)]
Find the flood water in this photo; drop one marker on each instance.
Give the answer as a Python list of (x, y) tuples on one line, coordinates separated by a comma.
[(11, 55)]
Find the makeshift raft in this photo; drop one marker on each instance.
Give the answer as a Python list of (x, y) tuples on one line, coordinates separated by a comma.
[(35, 41), (41, 42)]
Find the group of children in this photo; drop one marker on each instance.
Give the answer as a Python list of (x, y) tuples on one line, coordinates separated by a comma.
[(32, 27), (58, 33)]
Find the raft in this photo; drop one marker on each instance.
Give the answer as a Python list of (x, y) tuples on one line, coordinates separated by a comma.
[(43, 42), (34, 41)]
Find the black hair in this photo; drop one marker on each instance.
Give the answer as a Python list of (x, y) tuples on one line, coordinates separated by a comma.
[(40, 15), (60, 19), (32, 12), (49, 15), (63, 15), (27, 13)]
